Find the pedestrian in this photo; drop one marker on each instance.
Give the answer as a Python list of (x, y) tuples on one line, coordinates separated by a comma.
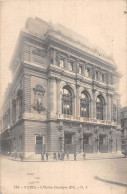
[(15, 155), (54, 155), (75, 156), (58, 156), (21, 157), (68, 156), (84, 156), (47, 155), (42, 156), (62, 156)]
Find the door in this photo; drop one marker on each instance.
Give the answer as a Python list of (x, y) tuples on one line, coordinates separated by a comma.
[(87, 143), (69, 146), (38, 144)]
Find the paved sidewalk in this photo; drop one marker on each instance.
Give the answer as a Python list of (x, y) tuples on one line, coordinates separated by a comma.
[(96, 156)]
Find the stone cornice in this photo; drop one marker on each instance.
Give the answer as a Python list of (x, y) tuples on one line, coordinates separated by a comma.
[(77, 51), (94, 51)]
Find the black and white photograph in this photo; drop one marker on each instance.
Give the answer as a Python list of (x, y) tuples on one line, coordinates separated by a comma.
[(63, 97)]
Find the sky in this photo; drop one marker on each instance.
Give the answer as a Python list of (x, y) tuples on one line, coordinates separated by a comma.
[(102, 22)]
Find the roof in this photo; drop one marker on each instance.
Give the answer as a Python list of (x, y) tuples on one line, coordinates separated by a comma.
[(40, 28)]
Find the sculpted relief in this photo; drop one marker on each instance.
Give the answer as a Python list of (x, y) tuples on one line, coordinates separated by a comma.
[(39, 92)]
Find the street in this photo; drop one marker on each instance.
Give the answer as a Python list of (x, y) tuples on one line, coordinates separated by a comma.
[(107, 176)]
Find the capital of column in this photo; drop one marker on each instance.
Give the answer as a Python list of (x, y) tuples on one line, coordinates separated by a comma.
[(51, 78), (58, 79)]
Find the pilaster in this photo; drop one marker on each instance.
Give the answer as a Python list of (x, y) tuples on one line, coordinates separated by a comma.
[(52, 97), (94, 103), (77, 101)]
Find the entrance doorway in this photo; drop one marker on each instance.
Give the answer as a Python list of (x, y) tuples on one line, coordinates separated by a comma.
[(69, 143), (103, 143), (39, 147), (87, 143)]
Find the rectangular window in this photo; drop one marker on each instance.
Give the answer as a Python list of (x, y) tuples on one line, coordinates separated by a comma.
[(70, 66), (62, 63), (102, 77), (38, 140), (80, 69), (87, 72), (68, 138), (97, 75)]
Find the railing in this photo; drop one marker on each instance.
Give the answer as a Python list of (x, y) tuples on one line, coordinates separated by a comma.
[(86, 120)]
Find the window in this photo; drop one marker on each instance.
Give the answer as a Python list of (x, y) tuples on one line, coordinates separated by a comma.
[(62, 63), (97, 75), (68, 138), (87, 72), (70, 66), (102, 77), (80, 69), (84, 105), (67, 101), (99, 108), (39, 140), (86, 139)]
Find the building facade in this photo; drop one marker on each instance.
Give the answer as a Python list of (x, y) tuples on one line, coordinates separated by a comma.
[(124, 122), (64, 94)]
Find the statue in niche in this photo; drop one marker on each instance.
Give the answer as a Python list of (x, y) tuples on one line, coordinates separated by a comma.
[(38, 96)]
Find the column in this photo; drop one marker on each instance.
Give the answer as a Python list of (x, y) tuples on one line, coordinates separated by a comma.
[(111, 107), (65, 63), (91, 109), (105, 109), (52, 95), (108, 107), (94, 104), (53, 57), (58, 97), (81, 139), (118, 112), (77, 101), (58, 59), (62, 140)]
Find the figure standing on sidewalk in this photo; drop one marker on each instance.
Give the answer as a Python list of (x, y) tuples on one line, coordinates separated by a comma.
[(47, 155), (68, 156), (42, 156), (84, 156), (75, 156), (55, 158)]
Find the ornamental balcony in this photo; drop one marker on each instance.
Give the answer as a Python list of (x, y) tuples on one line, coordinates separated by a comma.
[(86, 120)]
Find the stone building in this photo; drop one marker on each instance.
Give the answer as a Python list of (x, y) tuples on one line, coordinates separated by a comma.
[(64, 94), (124, 122)]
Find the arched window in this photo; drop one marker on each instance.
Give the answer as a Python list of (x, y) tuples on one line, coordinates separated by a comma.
[(84, 105), (67, 100), (99, 107)]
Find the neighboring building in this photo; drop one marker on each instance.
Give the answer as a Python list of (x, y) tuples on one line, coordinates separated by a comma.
[(124, 122), (64, 94)]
